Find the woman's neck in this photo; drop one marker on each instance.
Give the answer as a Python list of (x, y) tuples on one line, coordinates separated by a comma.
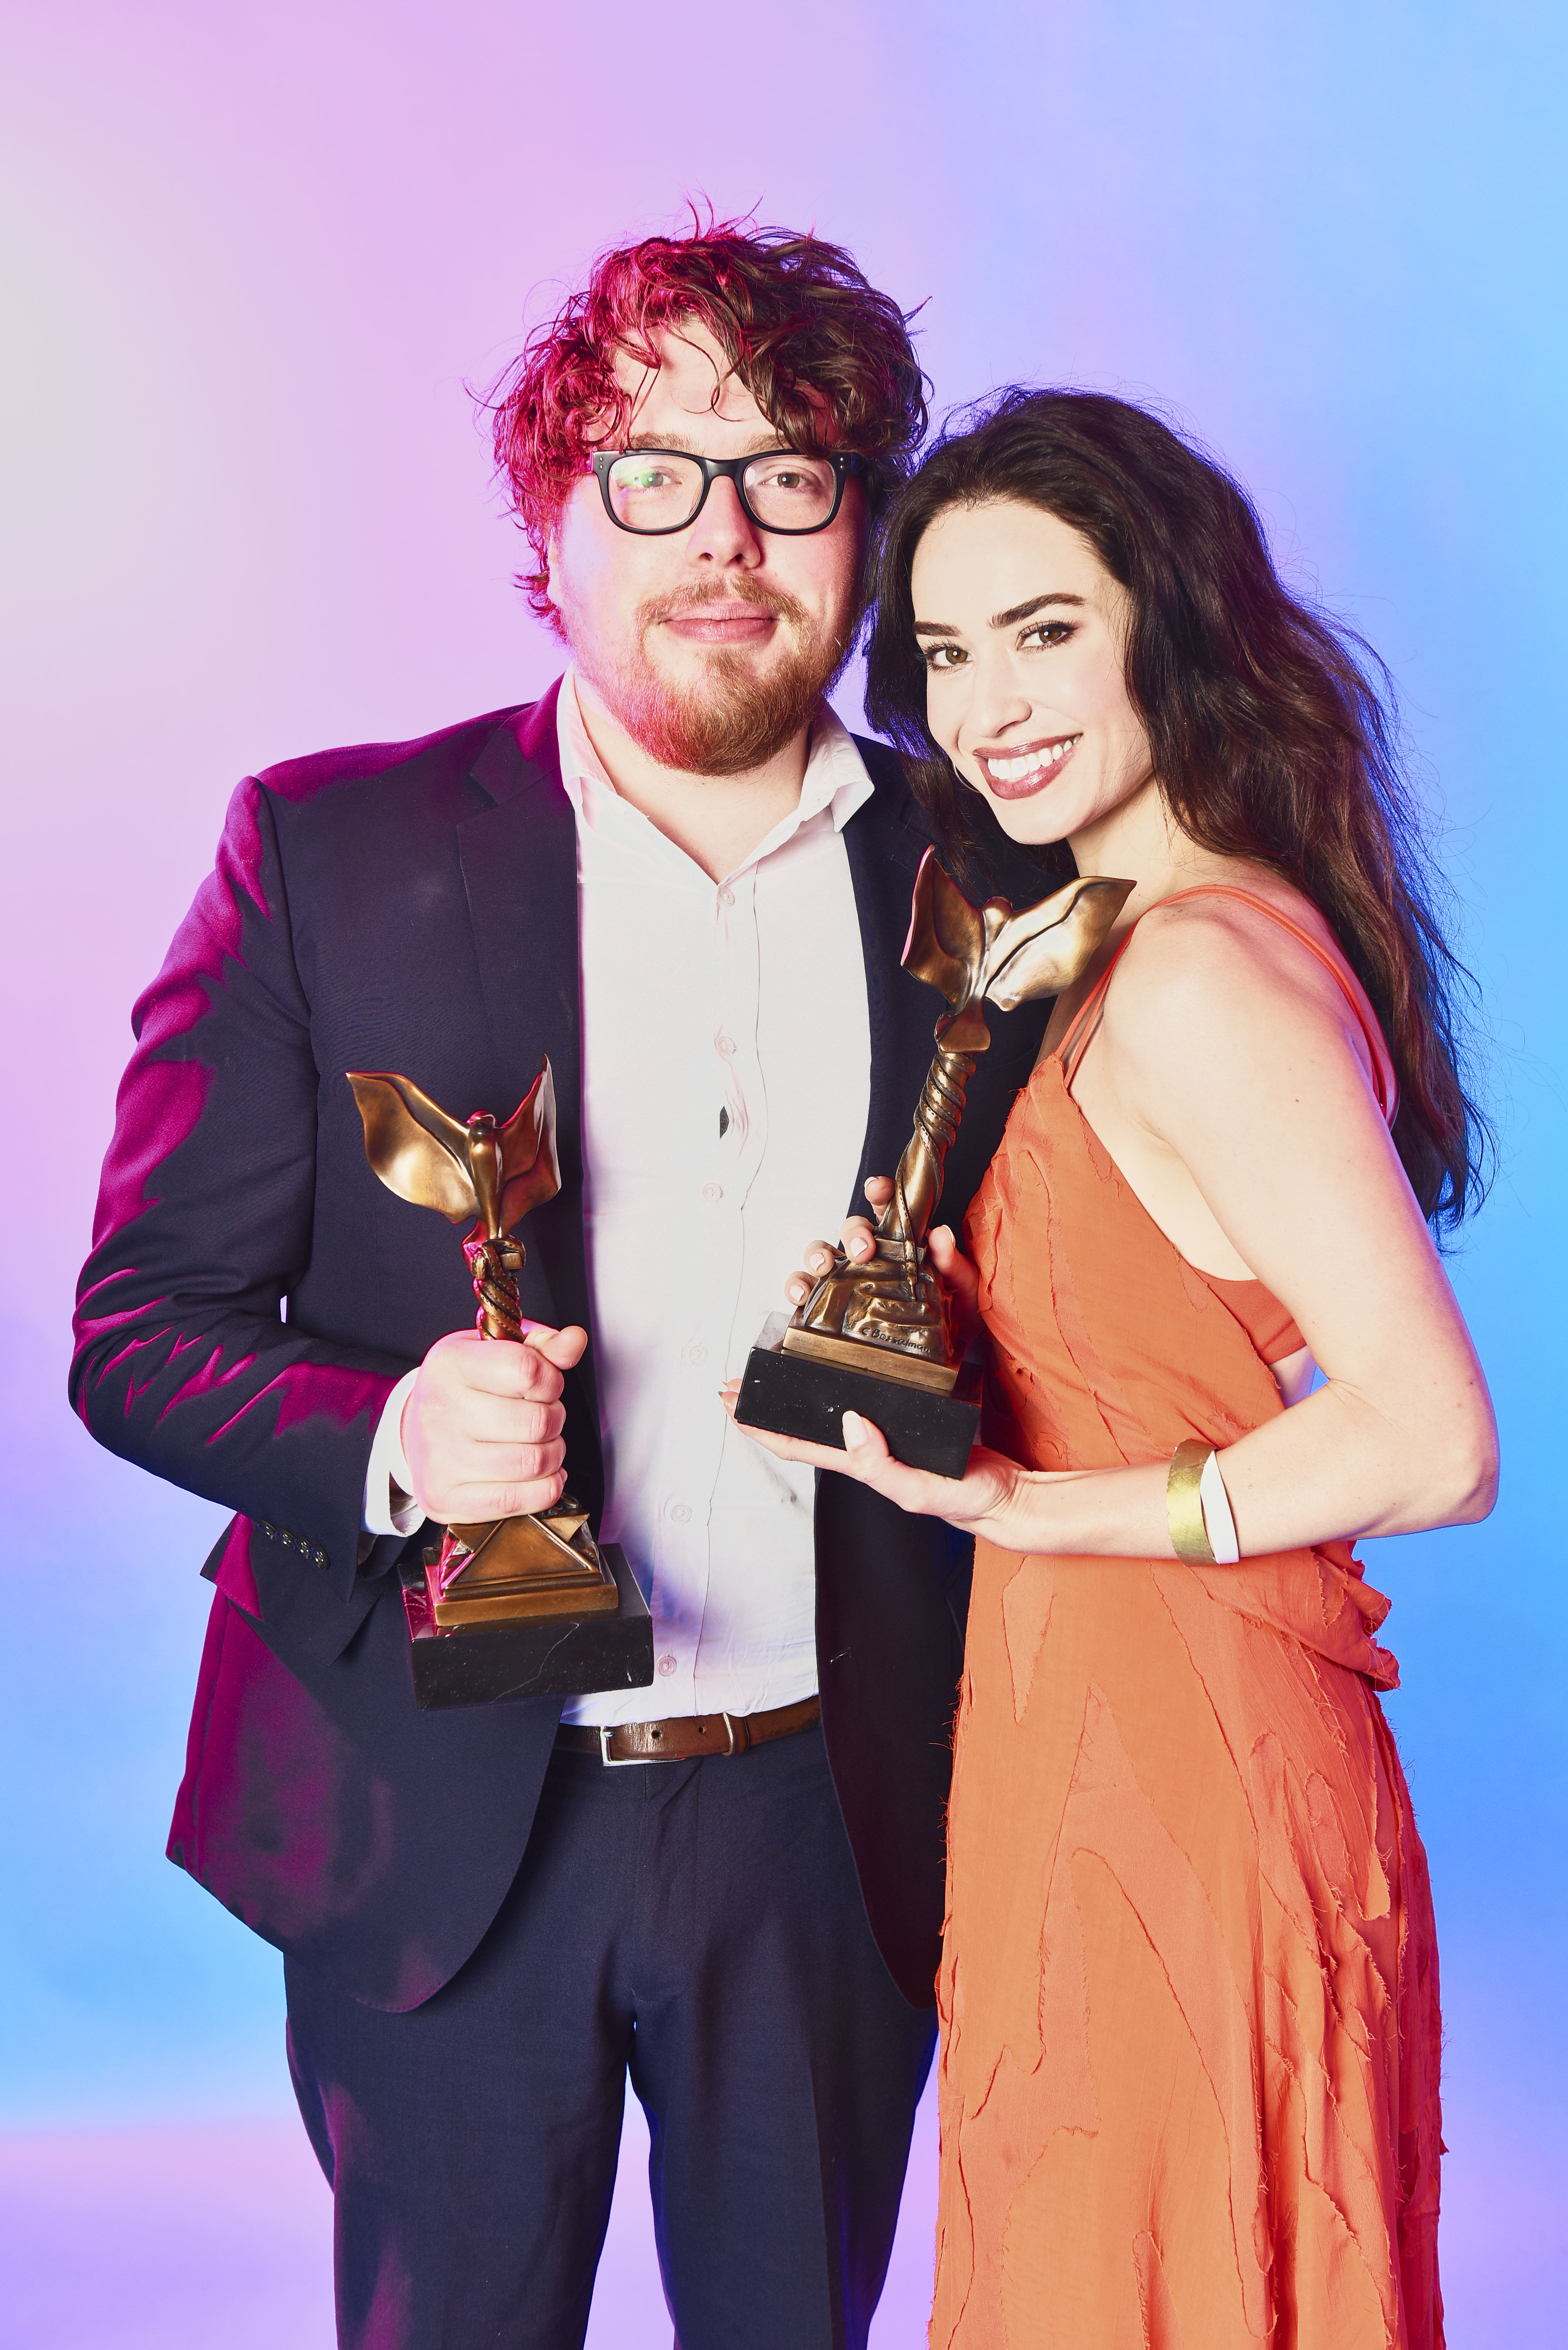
[(1141, 842)]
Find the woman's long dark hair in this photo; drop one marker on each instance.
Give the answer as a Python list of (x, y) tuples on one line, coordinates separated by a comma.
[(1272, 730)]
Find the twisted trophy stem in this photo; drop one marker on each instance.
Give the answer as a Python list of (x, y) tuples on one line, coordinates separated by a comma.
[(895, 1300), (495, 1264), (917, 1183)]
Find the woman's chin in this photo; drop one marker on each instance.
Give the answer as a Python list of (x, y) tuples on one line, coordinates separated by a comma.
[(1034, 821)]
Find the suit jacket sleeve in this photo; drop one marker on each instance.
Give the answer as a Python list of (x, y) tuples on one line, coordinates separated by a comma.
[(184, 1362)]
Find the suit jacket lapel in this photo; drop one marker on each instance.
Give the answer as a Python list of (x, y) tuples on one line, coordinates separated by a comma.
[(520, 871), (885, 849)]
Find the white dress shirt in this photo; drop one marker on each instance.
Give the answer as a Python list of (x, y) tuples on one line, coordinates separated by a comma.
[(726, 1078)]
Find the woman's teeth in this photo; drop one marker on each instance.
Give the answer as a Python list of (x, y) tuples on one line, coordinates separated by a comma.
[(1034, 762)]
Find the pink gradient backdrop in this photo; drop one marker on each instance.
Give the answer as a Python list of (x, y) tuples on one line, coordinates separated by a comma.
[(253, 255)]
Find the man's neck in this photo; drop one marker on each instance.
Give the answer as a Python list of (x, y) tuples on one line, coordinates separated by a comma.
[(717, 820)]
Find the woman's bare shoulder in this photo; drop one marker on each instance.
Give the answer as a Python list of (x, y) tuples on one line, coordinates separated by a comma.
[(1218, 967)]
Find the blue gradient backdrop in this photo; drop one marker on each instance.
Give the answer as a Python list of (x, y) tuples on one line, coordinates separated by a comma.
[(255, 253)]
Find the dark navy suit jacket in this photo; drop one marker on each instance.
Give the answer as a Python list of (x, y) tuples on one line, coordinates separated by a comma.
[(254, 1294)]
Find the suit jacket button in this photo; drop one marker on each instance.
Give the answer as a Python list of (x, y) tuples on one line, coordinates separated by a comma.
[(268, 1529)]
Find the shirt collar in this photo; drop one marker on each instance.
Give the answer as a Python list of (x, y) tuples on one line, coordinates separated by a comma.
[(834, 780)]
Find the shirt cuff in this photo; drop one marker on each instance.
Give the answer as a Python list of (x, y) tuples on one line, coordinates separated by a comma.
[(389, 1505)]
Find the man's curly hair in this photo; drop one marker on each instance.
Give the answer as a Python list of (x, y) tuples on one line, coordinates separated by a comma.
[(826, 358)]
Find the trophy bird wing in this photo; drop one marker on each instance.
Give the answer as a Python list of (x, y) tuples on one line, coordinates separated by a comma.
[(416, 1150), (530, 1167), (946, 945), (1042, 949)]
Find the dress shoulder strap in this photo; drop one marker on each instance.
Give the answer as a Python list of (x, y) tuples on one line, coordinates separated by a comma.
[(1076, 1043)]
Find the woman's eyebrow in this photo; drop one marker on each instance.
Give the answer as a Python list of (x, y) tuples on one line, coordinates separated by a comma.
[(1007, 620), (1015, 612)]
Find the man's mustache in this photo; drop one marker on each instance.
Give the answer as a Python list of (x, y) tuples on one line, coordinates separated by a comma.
[(697, 598)]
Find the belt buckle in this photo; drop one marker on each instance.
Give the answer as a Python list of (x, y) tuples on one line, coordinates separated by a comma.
[(621, 1761), (735, 1730)]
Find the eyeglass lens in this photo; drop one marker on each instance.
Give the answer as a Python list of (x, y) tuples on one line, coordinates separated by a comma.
[(655, 490)]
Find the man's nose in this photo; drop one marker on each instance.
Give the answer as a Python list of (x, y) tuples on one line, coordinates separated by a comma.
[(724, 532)]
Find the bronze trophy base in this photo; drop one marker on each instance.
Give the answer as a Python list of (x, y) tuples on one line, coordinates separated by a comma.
[(518, 1571), (566, 1655), (802, 1382)]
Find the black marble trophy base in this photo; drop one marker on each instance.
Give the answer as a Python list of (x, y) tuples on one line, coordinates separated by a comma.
[(796, 1395), (555, 1655)]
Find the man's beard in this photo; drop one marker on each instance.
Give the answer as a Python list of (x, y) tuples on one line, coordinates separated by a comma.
[(732, 719)]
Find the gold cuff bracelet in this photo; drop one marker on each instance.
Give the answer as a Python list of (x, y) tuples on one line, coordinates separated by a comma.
[(1184, 1505)]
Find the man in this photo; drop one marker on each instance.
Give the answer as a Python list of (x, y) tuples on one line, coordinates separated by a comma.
[(681, 878)]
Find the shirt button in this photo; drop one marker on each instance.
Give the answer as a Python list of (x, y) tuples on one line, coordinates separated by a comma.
[(726, 1045), (711, 1191), (726, 896), (667, 1665), (681, 1512), (696, 1354)]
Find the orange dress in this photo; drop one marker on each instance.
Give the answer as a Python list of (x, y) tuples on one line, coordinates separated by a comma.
[(1188, 2083)]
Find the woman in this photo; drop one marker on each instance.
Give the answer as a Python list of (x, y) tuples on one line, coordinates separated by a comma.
[(1189, 1991)]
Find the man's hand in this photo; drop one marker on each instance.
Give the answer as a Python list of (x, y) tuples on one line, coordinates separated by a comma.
[(481, 1429), (859, 1241)]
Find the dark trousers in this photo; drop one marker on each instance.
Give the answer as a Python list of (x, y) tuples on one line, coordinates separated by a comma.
[(701, 1923)]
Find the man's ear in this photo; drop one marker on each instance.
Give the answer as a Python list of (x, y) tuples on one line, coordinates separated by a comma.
[(554, 583)]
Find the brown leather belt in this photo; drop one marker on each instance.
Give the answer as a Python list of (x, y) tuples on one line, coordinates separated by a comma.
[(687, 1735)]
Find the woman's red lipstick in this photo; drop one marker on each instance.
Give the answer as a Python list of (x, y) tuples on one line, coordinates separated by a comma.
[(1028, 768)]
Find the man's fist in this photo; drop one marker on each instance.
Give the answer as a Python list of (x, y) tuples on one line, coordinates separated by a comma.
[(481, 1429)]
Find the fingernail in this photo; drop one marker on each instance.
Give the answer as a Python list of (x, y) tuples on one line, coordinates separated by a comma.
[(854, 1431)]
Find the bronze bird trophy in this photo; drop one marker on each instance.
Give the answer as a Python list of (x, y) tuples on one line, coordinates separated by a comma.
[(877, 1339), (510, 1570)]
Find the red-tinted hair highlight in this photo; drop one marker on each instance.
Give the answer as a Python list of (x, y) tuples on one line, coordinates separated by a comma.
[(826, 358)]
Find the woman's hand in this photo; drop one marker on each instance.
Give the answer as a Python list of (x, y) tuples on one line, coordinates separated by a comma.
[(986, 1493), (858, 1241)]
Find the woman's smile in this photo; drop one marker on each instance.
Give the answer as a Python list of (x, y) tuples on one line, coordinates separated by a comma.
[(1018, 774)]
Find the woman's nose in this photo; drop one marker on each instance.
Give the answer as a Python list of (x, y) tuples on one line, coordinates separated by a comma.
[(997, 701)]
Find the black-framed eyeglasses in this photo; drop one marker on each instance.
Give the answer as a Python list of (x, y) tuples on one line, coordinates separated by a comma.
[(652, 491)]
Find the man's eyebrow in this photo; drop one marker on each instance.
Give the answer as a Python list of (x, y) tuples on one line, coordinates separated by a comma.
[(680, 446)]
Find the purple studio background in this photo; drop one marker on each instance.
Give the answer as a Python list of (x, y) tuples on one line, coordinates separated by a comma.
[(256, 254)]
